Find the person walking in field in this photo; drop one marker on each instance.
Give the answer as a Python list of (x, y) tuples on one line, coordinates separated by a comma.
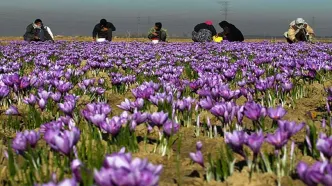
[(158, 33), (299, 30), (230, 33), (204, 32), (36, 31), (103, 30)]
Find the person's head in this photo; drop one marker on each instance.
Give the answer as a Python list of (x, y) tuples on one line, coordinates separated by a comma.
[(103, 22), (158, 26), (300, 22), (38, 22), (223, 24), (209, 22)]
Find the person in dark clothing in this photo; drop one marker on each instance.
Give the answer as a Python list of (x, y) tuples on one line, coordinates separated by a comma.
[(204, 32), (103, 29), (158, 33), (230, 33), (36, 31)]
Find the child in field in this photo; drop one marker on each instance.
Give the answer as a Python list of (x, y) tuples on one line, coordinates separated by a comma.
[(103, 29), (158, 33), (36, 31)]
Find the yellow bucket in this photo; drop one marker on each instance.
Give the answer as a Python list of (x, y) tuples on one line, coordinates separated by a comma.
[(217, 39)]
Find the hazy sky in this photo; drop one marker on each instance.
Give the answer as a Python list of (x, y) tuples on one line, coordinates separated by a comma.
[(78, 17)]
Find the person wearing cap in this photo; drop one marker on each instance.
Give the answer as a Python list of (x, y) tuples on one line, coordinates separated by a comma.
[(204, 32), (230, 33), (158, 33), (103, 29), (299, 30), (36, 31)]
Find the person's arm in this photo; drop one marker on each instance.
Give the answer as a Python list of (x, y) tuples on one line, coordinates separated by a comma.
[(291, 34), (29, 35), (310, 30), (112, 27), (95, 32), (150, 33), (165, 36), (213, 30)]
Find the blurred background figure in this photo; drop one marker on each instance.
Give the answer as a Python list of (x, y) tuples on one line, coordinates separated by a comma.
[(36, 31), (230, 33), (299, 30), (158, 33), (204, 32), (103, 30)]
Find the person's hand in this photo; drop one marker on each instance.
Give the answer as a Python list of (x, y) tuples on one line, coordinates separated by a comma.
[(94, 39), (154, 33), (104, 29), (36, 37)]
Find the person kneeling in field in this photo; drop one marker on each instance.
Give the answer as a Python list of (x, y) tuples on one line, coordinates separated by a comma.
[(299, 30), (36, 31), (230, 33), (158, 33), (204, 32), (104, 30)]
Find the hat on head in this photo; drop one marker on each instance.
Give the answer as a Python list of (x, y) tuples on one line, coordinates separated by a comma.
[(38, 21), (299, 21), (103, 22), (208, 22), (223, 24)]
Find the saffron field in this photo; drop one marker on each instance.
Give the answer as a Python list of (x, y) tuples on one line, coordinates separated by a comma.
[(134, 113)]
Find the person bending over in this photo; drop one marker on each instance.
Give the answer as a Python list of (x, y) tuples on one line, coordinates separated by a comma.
[(103, 29), (204, 32), (36, 31), (230, 33), (299, 30), (158, 33)]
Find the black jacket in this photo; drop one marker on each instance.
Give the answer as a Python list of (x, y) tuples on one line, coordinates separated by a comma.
[(232, 33), (103, 34), (31, 32), (205, 26)]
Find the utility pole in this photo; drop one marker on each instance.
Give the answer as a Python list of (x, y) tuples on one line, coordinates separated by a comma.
[(138, 24), (313, 22), (224, 8)]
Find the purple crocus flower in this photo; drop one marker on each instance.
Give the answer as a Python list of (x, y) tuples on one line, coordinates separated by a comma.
[(65, 141), (206, 103), (255, 141), (67, 107), (121, 169), (112, 126), (324, 145), (125, 105), (25, 139), (64, 87), (12, 110), (31, 100), (170, 128), (65, 182), (276, 113), (42, 103), (236, 140), (75, 166), (43, 94), (158, 118), (139, 117), (139, 103), (254, 111), (197, 157), (290, 127), (311, 176), (4, 91), (278, 139), (56, 96), (218, 110)]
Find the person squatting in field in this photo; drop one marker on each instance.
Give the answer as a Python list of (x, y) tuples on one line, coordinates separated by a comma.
[(36, 31), (299, 30), (230, 33), (204, 32), (103, 29), (158, 33)]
